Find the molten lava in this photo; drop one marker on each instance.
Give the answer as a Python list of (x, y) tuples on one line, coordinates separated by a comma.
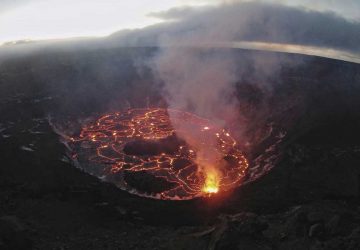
[(211, 185), (146, 152)]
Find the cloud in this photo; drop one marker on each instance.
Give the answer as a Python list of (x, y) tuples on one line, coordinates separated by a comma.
[(348, 9), (264, 22), (178, 13)]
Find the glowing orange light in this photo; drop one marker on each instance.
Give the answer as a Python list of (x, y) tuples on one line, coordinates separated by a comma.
[(211, 185)]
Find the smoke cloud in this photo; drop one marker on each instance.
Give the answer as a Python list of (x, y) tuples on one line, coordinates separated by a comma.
[(204, 80), (249, 21)]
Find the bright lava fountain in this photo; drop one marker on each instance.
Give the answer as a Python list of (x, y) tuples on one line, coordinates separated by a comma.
[(146, 152)]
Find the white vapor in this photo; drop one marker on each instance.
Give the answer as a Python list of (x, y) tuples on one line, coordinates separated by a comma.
[(203, 79)]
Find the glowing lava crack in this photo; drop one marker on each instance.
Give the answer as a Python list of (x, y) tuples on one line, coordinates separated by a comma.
[(141, 151)]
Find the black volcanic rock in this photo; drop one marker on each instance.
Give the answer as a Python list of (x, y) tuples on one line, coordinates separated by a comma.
[(13, 234), (147, 183)]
